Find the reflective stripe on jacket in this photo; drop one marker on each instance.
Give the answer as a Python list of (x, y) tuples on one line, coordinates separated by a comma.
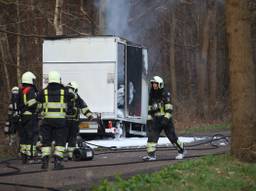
[(159, 104), (54, 109)]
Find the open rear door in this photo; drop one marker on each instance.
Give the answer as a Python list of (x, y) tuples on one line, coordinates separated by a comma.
[(134, 82)]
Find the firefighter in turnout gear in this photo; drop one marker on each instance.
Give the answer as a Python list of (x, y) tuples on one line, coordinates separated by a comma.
[(24, 107), (160, 118), (79, 106), (13, 121), (55, 101)]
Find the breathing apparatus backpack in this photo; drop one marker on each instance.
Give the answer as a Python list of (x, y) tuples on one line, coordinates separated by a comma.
[(83, 152), (14, 116)]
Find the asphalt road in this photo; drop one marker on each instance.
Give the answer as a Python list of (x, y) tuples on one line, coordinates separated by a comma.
[(105, 165)]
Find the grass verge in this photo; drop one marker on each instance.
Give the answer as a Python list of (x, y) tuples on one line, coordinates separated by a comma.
[(206, 128), (211, 173)]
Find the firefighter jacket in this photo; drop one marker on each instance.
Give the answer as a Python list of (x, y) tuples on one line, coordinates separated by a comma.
[(159, 104), (13, 121), (55, 101), (26, 101), (13, 111), (79, 106)]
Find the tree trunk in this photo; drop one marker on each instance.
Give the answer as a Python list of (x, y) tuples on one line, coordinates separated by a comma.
[(4, 60), (58, 17), (212, 60), (202, 69), (172, 54), (102, 16), (18, 42), (89, 15), (242, 81)]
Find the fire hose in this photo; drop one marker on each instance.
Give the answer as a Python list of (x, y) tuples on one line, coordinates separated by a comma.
[(17, 171)]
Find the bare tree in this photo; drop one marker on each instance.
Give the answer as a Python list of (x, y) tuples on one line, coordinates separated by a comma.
[(4, 62), (212, 62), (242, 81), (58, 17), (203, 65), (18, 41), (172, 23), (101, 17)]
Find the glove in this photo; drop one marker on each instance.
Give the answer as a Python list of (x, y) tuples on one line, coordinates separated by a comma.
[(165, 122), (16, 118), (71, 111), (92, 117)]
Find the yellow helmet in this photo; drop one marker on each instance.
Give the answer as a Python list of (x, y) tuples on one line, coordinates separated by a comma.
[(28, 78), (74, 85), (54, 77), (159, 81)]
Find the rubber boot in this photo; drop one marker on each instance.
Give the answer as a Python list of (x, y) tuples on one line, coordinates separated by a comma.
[(45, 162), (58, 163), (31, 160), (150, 157), (24, 158), (181, 150)]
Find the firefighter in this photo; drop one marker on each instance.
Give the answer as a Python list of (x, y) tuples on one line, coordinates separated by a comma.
[(160, 118), (79, 106), (13, 116), (55, 101), (24, 107)]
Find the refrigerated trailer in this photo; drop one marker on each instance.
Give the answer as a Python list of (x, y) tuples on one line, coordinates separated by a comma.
[(112, 77)]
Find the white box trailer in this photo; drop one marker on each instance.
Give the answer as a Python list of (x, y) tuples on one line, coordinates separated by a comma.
[(112, 77)]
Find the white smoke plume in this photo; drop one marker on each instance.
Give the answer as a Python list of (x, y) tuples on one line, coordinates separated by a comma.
[(116, 19)]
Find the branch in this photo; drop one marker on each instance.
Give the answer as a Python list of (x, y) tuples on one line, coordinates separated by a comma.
[(43, 36), (72, 29), (84, 12), (21, 34), (22, 21), (7, 2)]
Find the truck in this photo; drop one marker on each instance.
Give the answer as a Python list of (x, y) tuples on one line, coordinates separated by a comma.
[(112, 76)]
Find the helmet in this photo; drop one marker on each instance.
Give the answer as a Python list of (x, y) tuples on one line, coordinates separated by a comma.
[(74, 85), (15, 90), (158, 80), (54, 77), (28, 78)]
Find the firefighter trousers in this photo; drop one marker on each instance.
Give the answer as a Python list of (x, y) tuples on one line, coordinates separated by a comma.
[(156, 127), (73, 129), (28, 134), (53, 130)]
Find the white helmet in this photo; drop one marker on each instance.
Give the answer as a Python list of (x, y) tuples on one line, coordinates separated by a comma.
[(74, 85), (54, 77), (159, 81), (15, 90), (28, 78)]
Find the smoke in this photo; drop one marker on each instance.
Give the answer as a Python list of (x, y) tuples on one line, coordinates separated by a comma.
[(130, 19), (140, 21), (116, 17)]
